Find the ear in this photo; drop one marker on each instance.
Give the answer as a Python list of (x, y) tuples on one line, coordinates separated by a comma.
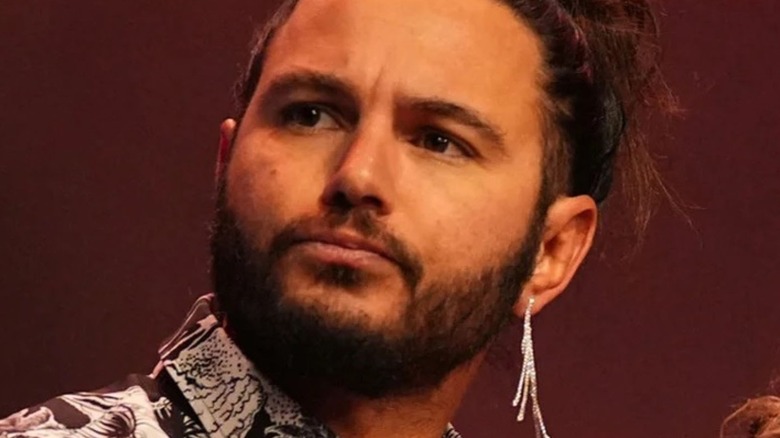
[(567, 237), (227, 130)]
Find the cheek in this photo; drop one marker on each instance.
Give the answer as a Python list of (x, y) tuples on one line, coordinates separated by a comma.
[(479, 237), (475, 224), (267, 185)]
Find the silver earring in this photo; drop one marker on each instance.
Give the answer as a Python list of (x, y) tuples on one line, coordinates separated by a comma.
[(527, 385)]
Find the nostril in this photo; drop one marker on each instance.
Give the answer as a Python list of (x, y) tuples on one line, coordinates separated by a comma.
[(340, 201), (355, 186), (372, 201)]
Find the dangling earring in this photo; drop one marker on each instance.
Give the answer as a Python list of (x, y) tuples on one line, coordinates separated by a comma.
[(527, 385)]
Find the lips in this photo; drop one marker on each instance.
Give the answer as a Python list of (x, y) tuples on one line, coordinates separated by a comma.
[(344, 245)]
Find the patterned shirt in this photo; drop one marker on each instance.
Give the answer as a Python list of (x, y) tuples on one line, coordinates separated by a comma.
[(203, 386)]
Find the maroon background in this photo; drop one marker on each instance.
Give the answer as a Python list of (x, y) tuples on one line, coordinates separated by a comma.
[(109, 115)]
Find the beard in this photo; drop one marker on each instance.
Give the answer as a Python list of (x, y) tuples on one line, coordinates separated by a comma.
[(442, 325)]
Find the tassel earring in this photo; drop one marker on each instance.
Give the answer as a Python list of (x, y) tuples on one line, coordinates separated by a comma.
[(528, 385)]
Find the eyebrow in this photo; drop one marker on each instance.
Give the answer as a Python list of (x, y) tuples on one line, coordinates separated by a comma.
[(459, 114), (307, 80)]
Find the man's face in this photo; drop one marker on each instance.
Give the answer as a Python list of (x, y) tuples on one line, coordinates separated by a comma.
[(386, 173)]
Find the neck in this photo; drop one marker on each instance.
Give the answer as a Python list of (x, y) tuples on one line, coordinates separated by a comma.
[(425, 414)]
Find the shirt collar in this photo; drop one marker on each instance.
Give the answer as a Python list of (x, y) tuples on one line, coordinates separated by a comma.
[(226, 392)]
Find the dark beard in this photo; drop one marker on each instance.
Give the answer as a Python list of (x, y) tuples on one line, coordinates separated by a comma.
[(443, 326)]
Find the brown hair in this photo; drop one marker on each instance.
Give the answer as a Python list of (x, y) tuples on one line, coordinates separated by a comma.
[(601, 75), (758, 418)]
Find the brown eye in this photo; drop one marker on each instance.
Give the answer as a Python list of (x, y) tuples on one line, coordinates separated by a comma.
[(307, 116), (436, 142), (443, 144)]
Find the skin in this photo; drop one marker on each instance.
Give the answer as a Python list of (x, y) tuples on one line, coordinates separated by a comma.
[(457, 204)]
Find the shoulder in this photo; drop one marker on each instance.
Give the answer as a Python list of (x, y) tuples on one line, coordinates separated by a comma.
[(126, 408)]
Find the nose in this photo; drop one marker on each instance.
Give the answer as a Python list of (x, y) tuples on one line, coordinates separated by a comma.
[(365, 176)]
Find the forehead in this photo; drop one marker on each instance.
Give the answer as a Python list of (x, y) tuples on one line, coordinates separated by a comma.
[(473, 51)]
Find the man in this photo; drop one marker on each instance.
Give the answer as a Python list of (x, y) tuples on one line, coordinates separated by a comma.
[(403, 178)]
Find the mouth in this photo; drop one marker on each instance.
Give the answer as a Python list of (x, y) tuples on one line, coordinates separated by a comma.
[(344, 249)]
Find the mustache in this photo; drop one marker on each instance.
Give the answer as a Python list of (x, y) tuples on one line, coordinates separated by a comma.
[(361, 222)]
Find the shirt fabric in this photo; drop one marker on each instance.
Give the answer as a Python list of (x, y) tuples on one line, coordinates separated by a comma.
[(203, 386)]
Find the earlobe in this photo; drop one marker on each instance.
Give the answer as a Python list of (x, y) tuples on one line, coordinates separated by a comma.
[(568, 234), (227, 131)]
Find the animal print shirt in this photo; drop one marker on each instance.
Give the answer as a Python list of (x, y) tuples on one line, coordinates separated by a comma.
[(202, 387)]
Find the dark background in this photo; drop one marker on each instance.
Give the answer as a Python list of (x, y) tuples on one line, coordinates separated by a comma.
[(108, 131)]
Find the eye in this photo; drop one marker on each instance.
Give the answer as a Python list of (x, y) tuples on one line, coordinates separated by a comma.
[(442, 144), (307, 116)]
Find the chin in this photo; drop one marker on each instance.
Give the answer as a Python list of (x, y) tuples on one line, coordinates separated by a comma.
[(346, 297)]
